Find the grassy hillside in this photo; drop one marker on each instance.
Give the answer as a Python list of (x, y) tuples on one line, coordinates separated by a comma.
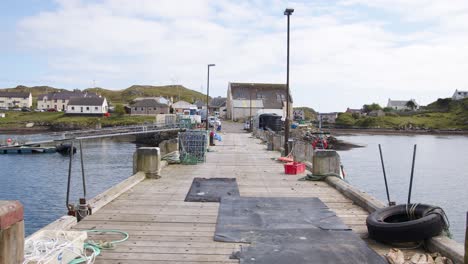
[(35, 90), (60, 121), (441, 114), (168, 91), (125, 95)]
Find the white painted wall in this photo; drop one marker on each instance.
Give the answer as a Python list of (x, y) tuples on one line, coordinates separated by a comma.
[(88, 109)]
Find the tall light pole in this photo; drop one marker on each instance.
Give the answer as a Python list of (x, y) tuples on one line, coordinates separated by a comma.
[(208, 95), (288, 12)]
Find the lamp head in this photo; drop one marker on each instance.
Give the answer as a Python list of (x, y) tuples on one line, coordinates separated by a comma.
[(211, 65), (288, 11)]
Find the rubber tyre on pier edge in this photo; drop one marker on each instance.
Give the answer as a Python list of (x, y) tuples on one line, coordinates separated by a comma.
[(391, 224)]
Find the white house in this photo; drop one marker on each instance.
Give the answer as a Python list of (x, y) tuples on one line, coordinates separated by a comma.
[(87, 105), (59, 100), (458, 95), (15, 99), (400, 105), (180, 106)]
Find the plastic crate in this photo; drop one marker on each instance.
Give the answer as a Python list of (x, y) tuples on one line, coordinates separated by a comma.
[(74, 245), (294, 168)]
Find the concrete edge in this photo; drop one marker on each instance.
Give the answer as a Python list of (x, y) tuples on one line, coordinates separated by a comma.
[(115, 191), (66, 222), (63, 223), (442, 244)]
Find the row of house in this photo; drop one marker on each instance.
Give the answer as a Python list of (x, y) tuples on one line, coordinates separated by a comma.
[(72, 102)]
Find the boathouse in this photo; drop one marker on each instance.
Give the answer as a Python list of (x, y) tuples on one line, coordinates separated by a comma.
[(245, 99)]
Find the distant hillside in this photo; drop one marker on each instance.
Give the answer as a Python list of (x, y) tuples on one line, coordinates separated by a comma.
[(309, 113), (35, 90), (125, 95), (168, 91), (444, 114)]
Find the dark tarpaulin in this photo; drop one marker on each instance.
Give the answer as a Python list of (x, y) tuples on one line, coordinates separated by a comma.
[(212, 189)]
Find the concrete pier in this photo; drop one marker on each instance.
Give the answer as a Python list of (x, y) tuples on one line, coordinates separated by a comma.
[(165, 229)]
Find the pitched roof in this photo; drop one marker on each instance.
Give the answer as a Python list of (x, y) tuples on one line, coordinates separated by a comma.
[(97, 101), (182, 104), (218, 101), (199, 103), (66, 95), (14, 94), (159, 99), (273, 95), (148, 103)]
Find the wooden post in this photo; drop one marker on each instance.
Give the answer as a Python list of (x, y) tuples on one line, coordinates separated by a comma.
[(11, 232), (466, 240)]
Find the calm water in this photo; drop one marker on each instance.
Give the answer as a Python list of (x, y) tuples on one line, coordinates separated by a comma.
[(440, 178), (39, 181)]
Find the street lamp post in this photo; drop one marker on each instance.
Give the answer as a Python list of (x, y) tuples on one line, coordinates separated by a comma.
[(208, 95), (288, 13)]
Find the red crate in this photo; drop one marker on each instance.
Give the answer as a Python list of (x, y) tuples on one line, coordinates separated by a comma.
[(294, 168)]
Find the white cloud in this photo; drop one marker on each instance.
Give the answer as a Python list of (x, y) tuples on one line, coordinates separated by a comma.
[(339, 56)]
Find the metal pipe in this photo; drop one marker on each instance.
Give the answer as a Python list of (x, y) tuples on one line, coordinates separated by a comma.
[(69, 173), (207, 97), (82, 170), (288, 13), (384, 175), (412, 174)]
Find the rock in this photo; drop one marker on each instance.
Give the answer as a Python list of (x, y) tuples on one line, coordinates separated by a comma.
[(395, 256)]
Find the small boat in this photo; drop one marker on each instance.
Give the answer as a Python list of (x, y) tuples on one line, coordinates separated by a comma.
[(64, 149)]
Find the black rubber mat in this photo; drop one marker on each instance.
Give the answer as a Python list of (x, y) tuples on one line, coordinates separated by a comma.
[(241, 217), (301, 246), (212, 189), (289, 230)]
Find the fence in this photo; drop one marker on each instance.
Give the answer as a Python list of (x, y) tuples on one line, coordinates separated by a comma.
[(301, 150)]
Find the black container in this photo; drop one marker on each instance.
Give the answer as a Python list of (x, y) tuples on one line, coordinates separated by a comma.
[(270, 121)]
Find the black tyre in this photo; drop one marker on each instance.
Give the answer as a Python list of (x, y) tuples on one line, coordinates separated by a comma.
[(392, 224)]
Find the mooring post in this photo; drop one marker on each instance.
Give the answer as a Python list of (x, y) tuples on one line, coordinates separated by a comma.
[(326, 162), (11, 232), (147, 160)]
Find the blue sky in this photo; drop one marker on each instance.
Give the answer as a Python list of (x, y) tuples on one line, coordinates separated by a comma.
[(344, 53)]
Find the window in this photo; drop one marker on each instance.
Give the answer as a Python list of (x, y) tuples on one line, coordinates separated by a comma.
[(141, 109), (73, 108), (95, 108), (135, 108), (87, 108), (55, 100)]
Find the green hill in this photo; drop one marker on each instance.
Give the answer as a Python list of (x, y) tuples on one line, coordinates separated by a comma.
[(35, 90), (134, 91), (125, 95)]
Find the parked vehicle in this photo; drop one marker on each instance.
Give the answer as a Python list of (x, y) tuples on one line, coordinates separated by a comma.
[(25, 109), (51, 110)]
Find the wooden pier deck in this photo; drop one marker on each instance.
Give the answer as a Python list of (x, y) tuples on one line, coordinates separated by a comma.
[(165, 229)]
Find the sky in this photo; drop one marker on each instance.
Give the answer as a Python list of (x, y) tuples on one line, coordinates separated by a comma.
[(343, 53)]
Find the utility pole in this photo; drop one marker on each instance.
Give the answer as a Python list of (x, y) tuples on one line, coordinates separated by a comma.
[(208, 95), (287, 13)]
